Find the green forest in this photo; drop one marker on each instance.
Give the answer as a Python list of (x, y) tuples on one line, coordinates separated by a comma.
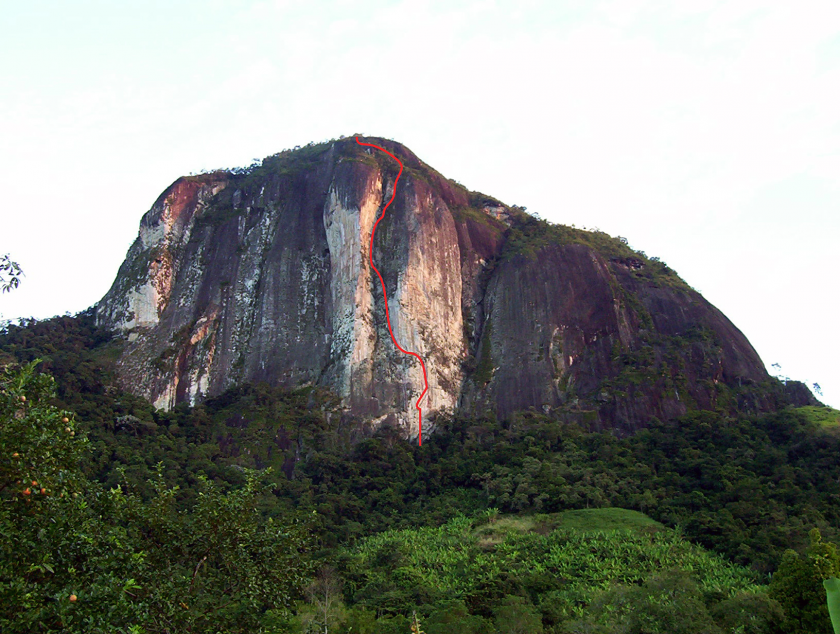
[(267, 510)]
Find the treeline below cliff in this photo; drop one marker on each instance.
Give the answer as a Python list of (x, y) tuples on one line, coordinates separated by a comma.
[(746, 490)]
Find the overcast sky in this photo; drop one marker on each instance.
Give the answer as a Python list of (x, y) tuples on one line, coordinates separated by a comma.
[(706, 132)]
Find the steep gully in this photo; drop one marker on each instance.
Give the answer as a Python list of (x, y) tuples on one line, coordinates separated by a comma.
[(385, 292)]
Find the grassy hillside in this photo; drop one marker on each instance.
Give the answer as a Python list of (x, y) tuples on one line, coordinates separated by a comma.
[(560, 572), (826, 417), (561, 560), (582, 520)]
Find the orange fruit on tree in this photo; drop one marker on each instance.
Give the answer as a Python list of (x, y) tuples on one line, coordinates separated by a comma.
[(26, 491), (73, 597)]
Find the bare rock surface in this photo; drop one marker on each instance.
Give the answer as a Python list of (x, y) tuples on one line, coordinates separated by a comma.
[(264, 275)]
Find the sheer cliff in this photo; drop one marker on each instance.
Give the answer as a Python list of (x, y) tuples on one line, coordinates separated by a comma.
[(264, 275)]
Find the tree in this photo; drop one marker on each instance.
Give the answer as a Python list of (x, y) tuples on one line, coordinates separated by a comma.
[(10, 273), (217, 566), (324, 593), (359, 621), (667, 603), (54, 547), (453, 616), (39, 450), (749, 613), (797, 586), (77, 558), (516, 615)]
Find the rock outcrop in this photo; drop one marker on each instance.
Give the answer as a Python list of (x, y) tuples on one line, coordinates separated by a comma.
[(264, 275)]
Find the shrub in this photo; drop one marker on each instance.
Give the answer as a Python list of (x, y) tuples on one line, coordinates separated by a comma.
[(453, 616), (750, 613), (669, 603), (516, 615)]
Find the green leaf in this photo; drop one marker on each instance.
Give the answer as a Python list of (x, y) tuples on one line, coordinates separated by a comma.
[(832, 590)]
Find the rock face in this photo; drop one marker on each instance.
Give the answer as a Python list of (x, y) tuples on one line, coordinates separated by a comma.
[(264, 275)]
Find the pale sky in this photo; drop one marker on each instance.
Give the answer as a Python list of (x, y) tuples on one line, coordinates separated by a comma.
[(706, 132)]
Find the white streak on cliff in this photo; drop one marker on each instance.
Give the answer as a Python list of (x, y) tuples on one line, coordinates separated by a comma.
[(353, 337)]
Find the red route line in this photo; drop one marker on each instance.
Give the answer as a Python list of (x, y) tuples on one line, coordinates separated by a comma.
[(385, 293)]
